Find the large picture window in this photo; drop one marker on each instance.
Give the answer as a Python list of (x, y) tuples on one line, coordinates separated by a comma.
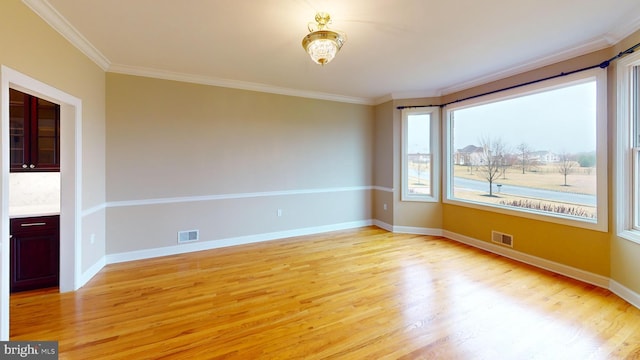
[(420, 154), (536, 151), (628, 149)]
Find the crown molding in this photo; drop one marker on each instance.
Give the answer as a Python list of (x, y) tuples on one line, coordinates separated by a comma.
[(383, 99), (532, 65), (624, 29), (234, 84), (52, 17), (415, 95), (599, 44)]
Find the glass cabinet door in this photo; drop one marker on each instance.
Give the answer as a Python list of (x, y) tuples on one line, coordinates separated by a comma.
[(18, 124), (48, 132), (34, 133)]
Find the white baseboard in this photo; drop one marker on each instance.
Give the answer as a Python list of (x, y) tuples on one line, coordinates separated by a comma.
[(569, 271), (91, 272), (383, 225), (627, 294), (241, 240), (417, 230), (407, 229)]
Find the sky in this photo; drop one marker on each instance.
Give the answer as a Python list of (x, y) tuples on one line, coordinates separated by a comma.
[(418, 133), (561, 120)]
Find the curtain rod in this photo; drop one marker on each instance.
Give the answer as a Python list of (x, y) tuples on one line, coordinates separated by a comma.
[(602, 65)]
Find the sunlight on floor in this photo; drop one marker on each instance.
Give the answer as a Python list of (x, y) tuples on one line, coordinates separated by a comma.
[(457, 315)]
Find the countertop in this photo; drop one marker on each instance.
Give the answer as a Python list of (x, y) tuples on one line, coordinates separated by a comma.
[(33, 210)]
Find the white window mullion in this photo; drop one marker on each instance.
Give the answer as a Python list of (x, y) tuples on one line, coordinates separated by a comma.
[(634, 98), (634, 94), (635, 193)]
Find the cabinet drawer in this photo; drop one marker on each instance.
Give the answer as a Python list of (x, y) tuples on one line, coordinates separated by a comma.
[(35, 223)]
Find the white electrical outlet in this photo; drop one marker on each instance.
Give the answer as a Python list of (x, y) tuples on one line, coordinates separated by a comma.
[(279, 212), (92, 238), (384, 207)]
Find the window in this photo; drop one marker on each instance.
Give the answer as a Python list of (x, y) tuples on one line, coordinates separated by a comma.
[(420, 129), (628, 149), (537, 151)]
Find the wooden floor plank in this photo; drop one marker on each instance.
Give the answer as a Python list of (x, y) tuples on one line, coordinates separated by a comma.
[(357, 294)]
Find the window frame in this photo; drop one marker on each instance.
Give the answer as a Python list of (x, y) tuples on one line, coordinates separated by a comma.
[(599, 224), (434, 145), (628, 149)]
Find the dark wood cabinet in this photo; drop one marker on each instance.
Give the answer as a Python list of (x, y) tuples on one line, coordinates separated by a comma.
[(35, 252), (34, 132)]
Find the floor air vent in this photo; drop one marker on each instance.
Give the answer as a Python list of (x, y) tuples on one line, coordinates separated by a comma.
[(500, 238), (188, 236)]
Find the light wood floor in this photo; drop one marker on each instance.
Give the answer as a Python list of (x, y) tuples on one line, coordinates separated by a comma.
[(357, 294)]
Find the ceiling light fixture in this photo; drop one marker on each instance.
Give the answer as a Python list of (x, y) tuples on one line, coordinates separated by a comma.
[(321, 43)]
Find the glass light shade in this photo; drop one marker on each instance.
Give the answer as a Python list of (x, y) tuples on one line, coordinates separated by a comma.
[(322, 51), (322, 45)]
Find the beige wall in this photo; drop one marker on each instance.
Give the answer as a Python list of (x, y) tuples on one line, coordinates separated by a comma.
[(384, 159), (583, 249), (239, 155), (30, 46)]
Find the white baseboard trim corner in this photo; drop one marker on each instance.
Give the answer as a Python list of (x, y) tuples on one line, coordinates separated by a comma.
[(220, 243), (91, 272), (566, 270), (417, 230), (625, 293), (407, 229), (383, 225)]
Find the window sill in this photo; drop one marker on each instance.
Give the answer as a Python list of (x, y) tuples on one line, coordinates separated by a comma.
[(631, 235), (534, 215), (425, 199)]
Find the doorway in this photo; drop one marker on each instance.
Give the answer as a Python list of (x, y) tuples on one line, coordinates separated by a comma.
[(34, 192), (70, 183)]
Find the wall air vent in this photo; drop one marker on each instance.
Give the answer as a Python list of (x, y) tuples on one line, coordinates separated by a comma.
[(501, 238), (188, 236)]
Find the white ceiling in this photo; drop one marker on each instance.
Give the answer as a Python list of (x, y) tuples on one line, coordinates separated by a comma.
[(394, 49)]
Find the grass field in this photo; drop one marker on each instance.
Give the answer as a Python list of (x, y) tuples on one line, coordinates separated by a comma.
[(580, 181)]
